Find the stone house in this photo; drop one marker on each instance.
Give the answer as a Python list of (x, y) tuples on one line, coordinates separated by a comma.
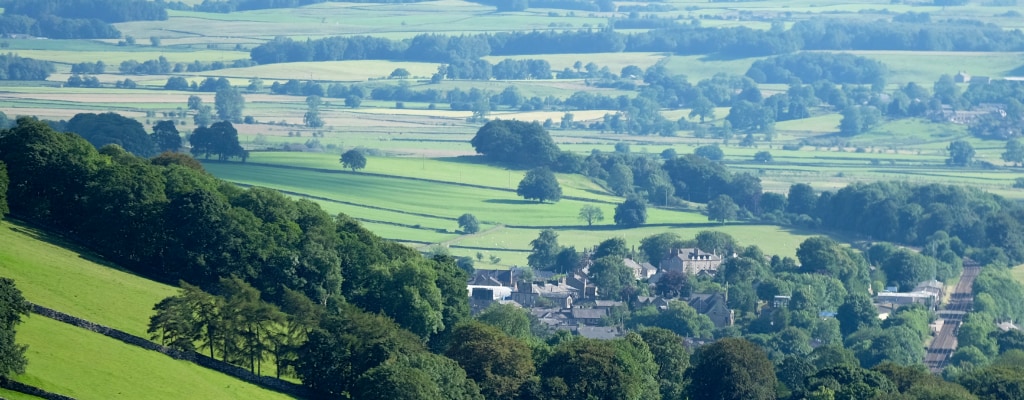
[(691, 261)]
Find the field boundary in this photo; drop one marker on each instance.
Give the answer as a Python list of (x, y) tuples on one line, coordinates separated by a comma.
[(201, 360), (19, 387), (378, 175)]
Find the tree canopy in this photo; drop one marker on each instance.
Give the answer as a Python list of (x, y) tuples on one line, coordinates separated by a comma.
[(353, 159), (540, 184), (515, 143)]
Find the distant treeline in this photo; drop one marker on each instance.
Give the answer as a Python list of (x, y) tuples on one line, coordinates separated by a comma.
[(688, 39), (227, 6), (14, 68), (76, 19), (111, 11), (521, 5)]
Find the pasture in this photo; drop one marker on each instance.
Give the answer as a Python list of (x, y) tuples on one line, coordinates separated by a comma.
[(75, 362), (55, 274)]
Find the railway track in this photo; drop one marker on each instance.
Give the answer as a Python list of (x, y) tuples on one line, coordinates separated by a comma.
[(960, 302)]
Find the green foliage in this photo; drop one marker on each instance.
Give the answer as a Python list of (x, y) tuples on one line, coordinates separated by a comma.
[(353, 159), (499, 363), (468, 223), (166, 136), (4, 183), (711, 152), (1004, 379), (614, 369), (731, 368), (679, 317), (655, 248), (612, 276), (824, 254), (590, 214), (1007, 293), (612, 247), (220, 139), (515, 143), (347, 344), (852, 382), (856, 313), (111, 128), (722, 208), (545, 250), (907, 268), (540, 184), (671, 357), (229, 103), (513, 321), (961, 153), (12, 307), (1014, 153), (632, 212)]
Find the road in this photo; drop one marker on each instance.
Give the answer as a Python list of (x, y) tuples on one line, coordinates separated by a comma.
[(960, 302)]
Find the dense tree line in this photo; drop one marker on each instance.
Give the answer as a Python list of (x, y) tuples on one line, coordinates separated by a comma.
[(16, 68), (77, 19), (12, 308), (812, 67), (111, 11), (684, 39), (227, 6), (980, 225)]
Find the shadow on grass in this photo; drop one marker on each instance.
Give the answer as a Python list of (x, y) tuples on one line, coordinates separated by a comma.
[(516, 202), (25, 229)]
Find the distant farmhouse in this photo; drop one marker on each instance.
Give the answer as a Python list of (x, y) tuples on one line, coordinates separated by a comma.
[(691, 261)]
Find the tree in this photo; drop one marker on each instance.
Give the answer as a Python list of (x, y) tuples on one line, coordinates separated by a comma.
[(399, 73), (516, 143), (763, 156), (611, 275), (468, 223), (857, 312), (731, 368), (229, 103), (12, 307), (166, 136), (540, 184), (710, 152), (111, 128), (312, 117), (203, 117), (612, 247), (4, 182), (656, 247), (961, 153), (722, 208), (513, 320), (591, 214), (671, 357), (703, 108), (801, 199), (353, 101), (632, 212), (585, 369), (545, 250), (907, 268), (1014, 152), (348, 344), (499, 363), (219, 139), (395, 380), (353, 159)]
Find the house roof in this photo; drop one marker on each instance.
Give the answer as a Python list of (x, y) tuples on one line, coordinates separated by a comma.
[(589, 313), (598, 332), (607, 303)]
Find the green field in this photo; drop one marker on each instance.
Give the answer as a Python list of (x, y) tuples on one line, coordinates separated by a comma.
[(51, 273), (75, 362)]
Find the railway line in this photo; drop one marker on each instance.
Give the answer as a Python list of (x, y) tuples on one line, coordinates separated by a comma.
[(952, 314)]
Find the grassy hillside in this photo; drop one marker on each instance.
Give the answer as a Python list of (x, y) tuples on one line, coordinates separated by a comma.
[(54, 274), (69, 280), (85, 365)]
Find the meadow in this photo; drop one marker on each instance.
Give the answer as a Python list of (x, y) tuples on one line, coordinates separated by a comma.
[(55, 274), (75, 362)]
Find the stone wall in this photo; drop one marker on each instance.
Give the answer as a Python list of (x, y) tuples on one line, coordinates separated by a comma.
[(199, 359)]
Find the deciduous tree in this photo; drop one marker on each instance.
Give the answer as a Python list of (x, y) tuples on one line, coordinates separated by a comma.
[(731, 368), (468, 223), (590, 214), (540, 184), (353, 159), (12, 307), (632, 212)]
